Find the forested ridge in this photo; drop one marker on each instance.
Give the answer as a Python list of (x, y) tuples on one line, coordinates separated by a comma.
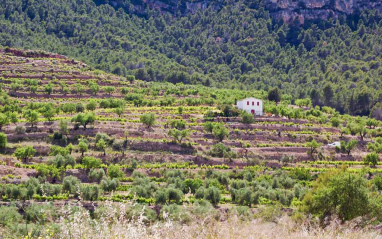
[(334, 62)]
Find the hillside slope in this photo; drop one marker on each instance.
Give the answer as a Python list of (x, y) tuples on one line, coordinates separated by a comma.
[(333, 62), (76, 142)]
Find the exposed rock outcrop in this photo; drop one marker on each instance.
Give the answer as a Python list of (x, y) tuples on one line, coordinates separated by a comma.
[(287, 10)]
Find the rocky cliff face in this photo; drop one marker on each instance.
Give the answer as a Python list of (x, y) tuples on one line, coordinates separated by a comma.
[(289, 10)]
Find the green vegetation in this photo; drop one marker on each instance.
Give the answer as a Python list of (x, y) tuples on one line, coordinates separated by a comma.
[(220, 159), (331, 62)]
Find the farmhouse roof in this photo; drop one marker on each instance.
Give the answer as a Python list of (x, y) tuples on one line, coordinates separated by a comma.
[(249, 98)]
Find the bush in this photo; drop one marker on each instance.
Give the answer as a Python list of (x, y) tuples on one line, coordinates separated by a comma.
[(220, 132), (3, 140), (161, 197), (84, 119), (41, 213), (9, 216), (204, 208), (92, 105), (246, 118), (102, 136), (24, 153), (96, 175), (56, 150), (90, 192), (178, 124), (148, 119), (20, 129), (174, 195), (115, 172), (222, 151), (63, 161), (372, 158), (212, 194), (335, 122), (199, 193), (176, 212), (209, 126), (70, 184), (80, 108), (340, 193), (109, 184), (91, 162)]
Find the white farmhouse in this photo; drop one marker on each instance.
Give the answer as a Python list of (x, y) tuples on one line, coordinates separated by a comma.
[(251, 105)]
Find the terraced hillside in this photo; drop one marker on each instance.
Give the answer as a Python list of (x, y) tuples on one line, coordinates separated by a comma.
[(73, 132)]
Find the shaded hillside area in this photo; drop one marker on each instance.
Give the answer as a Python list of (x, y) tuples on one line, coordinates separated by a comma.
[(78, 145), (333, 62)]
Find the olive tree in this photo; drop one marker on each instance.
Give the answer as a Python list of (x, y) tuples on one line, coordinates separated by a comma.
[(313, 146), (179, 135), (347, 147), (84, 119), (148, 119), (3, 140), (4, 120), (31, 116), (83, 147), (220, 132), (101, 145), (372, 158), (24, 153), (246, 118)]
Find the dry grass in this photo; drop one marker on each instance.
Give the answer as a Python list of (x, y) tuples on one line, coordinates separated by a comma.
[(113, 224)]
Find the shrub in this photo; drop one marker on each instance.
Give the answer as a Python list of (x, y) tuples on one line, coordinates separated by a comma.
[(199, 193), (161, 197), (246, 118), (335, 122), (212, 194), (63, 161), (70, 184), (114, 171), (376, 146), (89, 192), (347, 147), (9, 216), (20, 129), (102, 136), (84, 119), (222, 151), (176, 212), (179, 135), (56, 150), (24, 153), (220, 132), (83, 147), (3, 140), (209, 126), (178, 124), (40, 213), (109, 184), (96, 175), (340, 193), (80, 107), (91, 162), (174, 194), (148, 119), (92, 105), (372, 158)]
